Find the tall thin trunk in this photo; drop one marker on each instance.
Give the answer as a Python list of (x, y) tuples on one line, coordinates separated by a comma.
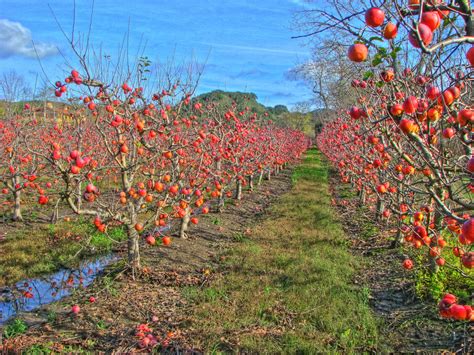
[(260, 177), (238, 190), (221, 202), (17, 200), (17, 207), (185, 223), (362, 197), (79, 195), (133, 247), (379, 211), (251, 182)]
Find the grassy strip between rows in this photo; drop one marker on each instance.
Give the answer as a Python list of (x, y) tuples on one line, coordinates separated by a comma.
[(288, 287)]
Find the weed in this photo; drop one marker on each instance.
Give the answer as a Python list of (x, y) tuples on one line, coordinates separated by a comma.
[(15, 328)]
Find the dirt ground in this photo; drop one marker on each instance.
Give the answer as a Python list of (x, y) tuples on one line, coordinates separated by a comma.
[(155, 297)]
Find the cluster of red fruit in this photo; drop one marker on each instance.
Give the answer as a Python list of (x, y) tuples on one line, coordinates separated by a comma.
[(420, 36), (147, 338), (448, 308)]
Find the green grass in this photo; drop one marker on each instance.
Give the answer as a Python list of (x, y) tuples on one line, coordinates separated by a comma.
[(288, 288), (433, 286), (15, 328), (40, 249)]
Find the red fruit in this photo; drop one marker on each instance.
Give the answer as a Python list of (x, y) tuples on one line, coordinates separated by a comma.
[(355, 112), (205, 210), (390, 31), (194, 220), (465, 116), (374, 17), (396, 110), (432, 92), (174, 189), (425, 33), (420, 232), (75, 74), (43, 200), (91, 188), (407, 126), (458, 312), (449, 298), (75, 309), (408, 264), (75, 154), (358, 52), (150, 240), (97, 221), (468, 229), (91, 299), (449, 133), (381, 189), (123, 149), (440, 262), (431, 19), (470, 165), (75, 169), (410, 105), (166, 241), (468, 260), (470, 56)]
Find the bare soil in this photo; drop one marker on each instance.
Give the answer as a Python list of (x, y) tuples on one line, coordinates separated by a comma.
[(155, 296)]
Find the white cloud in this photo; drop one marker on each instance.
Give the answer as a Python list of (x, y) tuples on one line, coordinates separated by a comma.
[(303, 3), (15, 39)]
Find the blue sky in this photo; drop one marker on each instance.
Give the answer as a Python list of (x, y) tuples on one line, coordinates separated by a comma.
[(246, 42)]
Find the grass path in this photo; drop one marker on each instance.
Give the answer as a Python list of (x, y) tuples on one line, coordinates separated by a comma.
[(288, 286)]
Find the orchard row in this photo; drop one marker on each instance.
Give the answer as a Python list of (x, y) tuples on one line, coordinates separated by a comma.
[(407, 146), (123, 157)]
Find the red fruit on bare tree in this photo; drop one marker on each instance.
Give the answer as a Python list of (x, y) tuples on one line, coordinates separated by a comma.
[(374, 17), (358, 52), (425, 34)]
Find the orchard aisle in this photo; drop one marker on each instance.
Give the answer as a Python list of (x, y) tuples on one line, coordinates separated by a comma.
[(289, 285)]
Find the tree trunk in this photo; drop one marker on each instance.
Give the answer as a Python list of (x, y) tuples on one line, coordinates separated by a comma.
[(55, 214), (238, 190), (133, 247), (221, 202), (185, 223), (251, 182), (260, 177), (17, 200), (17, 208), (380, 207), (79, 196), (362, 197), (269, 174)]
